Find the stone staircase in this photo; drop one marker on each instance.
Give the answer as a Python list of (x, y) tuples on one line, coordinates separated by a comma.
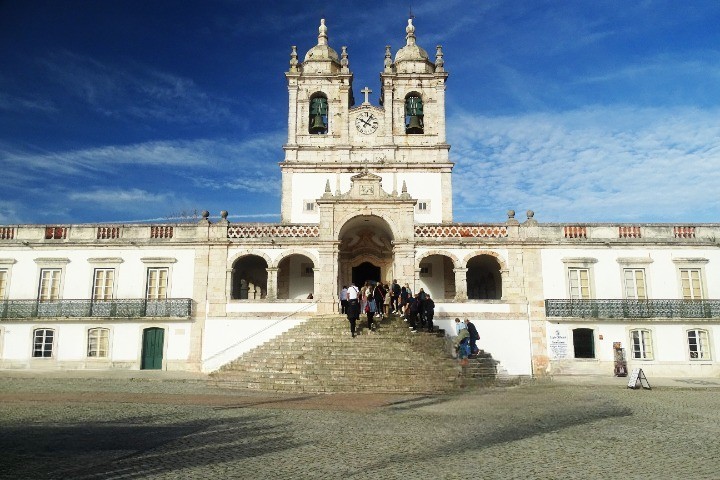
[(320, 356)]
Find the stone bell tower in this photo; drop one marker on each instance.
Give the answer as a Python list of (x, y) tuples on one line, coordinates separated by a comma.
[(402, 140)]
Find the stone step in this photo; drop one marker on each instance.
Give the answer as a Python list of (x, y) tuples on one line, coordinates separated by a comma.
[(321, 356)]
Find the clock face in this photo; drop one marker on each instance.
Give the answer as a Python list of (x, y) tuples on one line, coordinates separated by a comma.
[(366, 123)]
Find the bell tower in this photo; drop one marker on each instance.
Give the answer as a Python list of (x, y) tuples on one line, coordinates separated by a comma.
[(402, 140)]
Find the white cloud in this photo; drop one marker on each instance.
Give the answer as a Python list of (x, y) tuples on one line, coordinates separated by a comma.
[(135, 91), (118, 198), (596, 164)]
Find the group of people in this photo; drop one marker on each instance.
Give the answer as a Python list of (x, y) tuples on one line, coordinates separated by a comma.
[(377, 299), (466, 339), (418, 310), (370, 299)]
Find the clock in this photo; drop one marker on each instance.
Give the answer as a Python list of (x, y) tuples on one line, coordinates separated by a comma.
[(366, 123)]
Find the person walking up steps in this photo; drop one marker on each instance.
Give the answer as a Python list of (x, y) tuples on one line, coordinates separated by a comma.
[(353, 308)]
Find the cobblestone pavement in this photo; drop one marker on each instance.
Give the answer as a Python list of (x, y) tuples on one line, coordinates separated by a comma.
[(129, 429)]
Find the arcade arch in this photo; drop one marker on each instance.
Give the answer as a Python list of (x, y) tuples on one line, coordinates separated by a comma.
[(249, 277), (484, 278), (436, 272)]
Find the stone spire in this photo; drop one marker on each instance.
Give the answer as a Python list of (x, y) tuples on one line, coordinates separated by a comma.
[(322, 33)]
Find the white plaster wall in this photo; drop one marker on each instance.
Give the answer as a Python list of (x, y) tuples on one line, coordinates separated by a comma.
[(77, 281), (507, 340), (670, 349), (71, 341), (420, 185), (226, 339), (607, 282), (251, 307), (435, 283)]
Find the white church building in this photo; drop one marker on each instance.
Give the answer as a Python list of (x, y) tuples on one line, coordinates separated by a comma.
[(366, 195)]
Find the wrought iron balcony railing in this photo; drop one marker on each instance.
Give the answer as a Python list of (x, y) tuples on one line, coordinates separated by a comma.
[(125, 308), (657, 308)]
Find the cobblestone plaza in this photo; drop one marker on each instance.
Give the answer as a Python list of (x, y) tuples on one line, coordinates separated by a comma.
[(139, 428)]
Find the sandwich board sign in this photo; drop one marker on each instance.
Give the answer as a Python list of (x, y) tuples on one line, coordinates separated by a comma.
[(638, 376)]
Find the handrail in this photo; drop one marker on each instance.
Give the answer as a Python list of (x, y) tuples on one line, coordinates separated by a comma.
[(631, 308), (254, 334), (113, 308)]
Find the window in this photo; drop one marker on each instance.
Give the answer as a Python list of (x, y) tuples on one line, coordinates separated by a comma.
[(423, 206), (309, 205), (103, 284), (3, 283), (698, 345), (157, 282), (579, 281), (43, 342), (49, 284), (641, 341), (98, 342), (635, 283), (426, 270), (691, 283)]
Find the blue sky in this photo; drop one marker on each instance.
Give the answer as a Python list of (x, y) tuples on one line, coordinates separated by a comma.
[(583, 111)]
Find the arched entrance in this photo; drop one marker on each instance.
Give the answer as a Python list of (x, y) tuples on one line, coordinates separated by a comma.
[(364, 272), (365, 251)]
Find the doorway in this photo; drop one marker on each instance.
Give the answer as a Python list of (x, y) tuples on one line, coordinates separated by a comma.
[(366, 271), (584, 343), (152, 348)]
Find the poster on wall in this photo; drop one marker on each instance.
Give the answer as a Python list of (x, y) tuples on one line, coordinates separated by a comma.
[(558, 345)]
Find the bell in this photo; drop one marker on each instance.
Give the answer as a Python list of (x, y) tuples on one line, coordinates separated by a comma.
[(318, 124), (415, 125)]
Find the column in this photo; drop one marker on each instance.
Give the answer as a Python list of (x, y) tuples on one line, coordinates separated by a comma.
[(460, 284), (271, 283)]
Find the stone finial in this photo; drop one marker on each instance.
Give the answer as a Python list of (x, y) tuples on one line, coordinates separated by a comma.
[(224, 214), (439, 62), (327, 186), (511, 213), (294, 59), (410, 33), (344, 62), (530, 219), (322, 33), (205, 217), (404, 187), (511, 218), (388, 59)]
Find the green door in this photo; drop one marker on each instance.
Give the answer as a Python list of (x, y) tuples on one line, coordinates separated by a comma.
[(152, 348)]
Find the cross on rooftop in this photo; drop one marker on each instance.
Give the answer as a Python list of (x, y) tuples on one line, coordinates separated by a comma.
[(367, 92)]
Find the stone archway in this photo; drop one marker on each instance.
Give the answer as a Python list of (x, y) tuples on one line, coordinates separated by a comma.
[(365, 250)]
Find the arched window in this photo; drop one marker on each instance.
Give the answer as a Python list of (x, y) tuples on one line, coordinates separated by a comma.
[(318, 121), (414, 118)]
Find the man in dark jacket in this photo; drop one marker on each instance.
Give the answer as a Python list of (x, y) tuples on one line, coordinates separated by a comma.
[(395, 305), (429, 312), (474, 337)]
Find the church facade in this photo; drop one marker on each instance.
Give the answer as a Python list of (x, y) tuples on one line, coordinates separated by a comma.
[(366, 195)]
